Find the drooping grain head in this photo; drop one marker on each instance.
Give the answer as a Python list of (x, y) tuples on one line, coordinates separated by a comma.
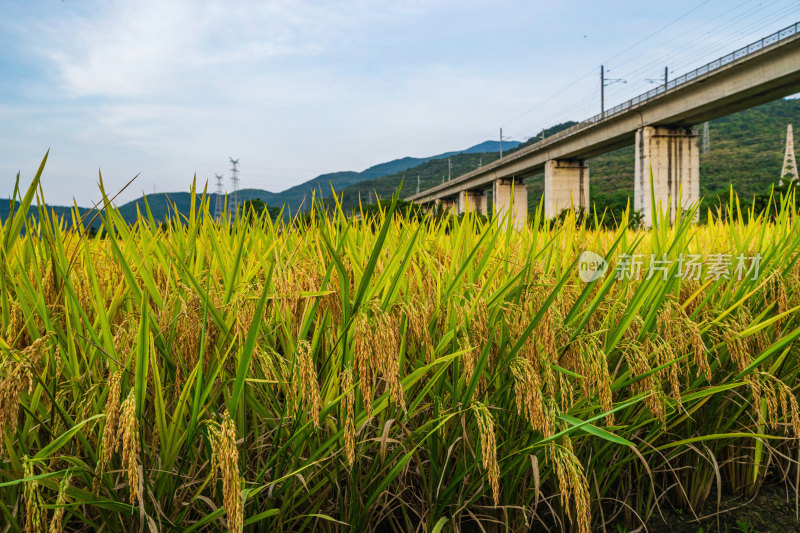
[(110, 434), (225, 457), (349, 415), (129, 440), (125, 339), (478, 329), (572, 482), (61, 500), (387, 330), (488, 447), (16, 332), (469, 358), (530, 401), (362, 348), (782, 394), (307, 393), (779, 295), (587, 358), (377, 351), (736, 348), (665, 355), (638, 359), (756, 389), (35, 517), (16, 376), (419, 314)]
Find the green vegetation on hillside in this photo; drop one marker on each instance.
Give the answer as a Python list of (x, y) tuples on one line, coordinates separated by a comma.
[(746, 151)]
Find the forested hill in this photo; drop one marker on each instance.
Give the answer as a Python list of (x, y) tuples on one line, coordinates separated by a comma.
[(745, 149), (293, 199)]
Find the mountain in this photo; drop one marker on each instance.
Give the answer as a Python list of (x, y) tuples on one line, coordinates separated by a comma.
[(294, 199), (299, 196), (746, 150), (430, 173)]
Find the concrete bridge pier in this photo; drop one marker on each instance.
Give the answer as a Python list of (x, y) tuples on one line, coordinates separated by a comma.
[(566, 184), (510, 196), (471, 202), (672, 152), (448, 205)]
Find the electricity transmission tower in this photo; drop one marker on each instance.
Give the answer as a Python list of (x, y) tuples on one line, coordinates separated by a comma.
[(219, 206), (235, 183), (789, 169), (706, 139)]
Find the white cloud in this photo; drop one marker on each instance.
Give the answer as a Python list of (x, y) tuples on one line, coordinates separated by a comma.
[(296, 88)]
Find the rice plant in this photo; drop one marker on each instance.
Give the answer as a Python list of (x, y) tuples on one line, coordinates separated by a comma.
[(388, 373)]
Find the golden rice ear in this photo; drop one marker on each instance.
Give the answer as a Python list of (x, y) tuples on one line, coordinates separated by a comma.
[(18, 377), (377, 351), (469, 358), (531, 403), (16, 332), (388, 337), (110, 439), (225, 457), (349, 415), (572, 483), (488, 447), (736, 348), (35, 516), (779, 295), (589, 360), (61, 500), (363, 349), (129, 426), (306, 392)]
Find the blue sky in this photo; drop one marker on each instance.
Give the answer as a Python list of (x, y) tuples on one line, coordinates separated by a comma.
[(169, 88)]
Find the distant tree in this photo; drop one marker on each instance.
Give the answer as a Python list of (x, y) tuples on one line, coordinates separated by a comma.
[(255, 208)]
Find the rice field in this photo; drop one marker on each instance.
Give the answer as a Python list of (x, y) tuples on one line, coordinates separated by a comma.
[(391, 374)]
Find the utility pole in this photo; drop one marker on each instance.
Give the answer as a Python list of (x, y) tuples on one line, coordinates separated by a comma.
[(659, 80), (501, 143), (235, 182), (789, 162), (706, 139), (604, 82), (449, 169), (219, 205), (480, 162)]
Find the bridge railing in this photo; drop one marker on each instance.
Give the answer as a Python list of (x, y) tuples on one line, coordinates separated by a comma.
[(767, 41)]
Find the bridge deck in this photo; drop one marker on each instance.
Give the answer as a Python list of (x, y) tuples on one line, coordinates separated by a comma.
[(758, 73)]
